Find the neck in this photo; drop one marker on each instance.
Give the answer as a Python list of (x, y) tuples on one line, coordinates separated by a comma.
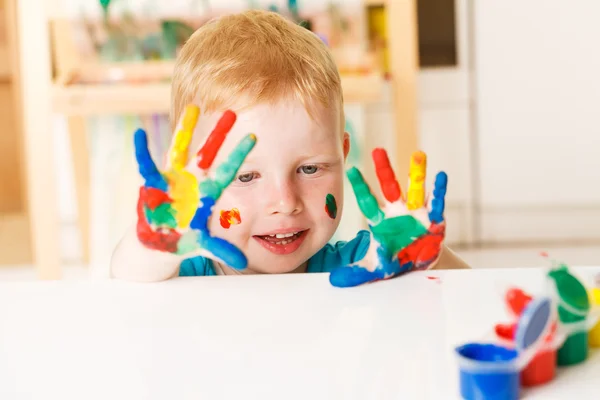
[(222, 269)]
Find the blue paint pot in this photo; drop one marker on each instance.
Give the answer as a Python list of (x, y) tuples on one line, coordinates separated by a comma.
[(488, 371), (491, 372)]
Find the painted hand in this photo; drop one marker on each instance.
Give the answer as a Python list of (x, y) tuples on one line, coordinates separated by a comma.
[(405, 236), (174, 206)]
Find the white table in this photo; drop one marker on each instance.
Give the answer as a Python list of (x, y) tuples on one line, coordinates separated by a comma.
[(263, 337)]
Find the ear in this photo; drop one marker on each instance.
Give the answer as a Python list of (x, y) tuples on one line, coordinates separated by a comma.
[(346, 145)]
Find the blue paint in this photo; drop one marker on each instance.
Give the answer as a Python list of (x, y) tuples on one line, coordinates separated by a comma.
[(356, 275), (438, 204), (148, 170), (488, 371), (220, 248), (476, 384)]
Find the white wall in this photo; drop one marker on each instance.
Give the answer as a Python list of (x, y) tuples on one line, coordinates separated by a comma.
[(538, 133)]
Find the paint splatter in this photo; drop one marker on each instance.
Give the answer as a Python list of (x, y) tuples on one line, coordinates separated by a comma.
[(434, 278), (544, 254), (230, 217), (330, 206)]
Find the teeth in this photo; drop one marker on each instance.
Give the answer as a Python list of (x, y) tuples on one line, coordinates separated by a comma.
[(284, 235)]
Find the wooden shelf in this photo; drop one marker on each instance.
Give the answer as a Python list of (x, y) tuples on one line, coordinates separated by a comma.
[(373, 3), (149, 98), (5, 70)]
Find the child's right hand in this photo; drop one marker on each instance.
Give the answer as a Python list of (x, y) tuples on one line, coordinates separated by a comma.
[(174, 206)]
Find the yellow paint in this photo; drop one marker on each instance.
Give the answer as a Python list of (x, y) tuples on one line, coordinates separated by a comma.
[(185, 193), (594, 335), (415, 196), (179, 151)]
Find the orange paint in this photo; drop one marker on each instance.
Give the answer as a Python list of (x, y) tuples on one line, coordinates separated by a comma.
[(231, 217)]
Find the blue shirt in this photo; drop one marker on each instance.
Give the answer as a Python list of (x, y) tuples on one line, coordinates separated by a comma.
[(327, 259)]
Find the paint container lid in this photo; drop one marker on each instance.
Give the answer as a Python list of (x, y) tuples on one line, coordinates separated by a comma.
[(533, 328), (572, 294), (533, 324)]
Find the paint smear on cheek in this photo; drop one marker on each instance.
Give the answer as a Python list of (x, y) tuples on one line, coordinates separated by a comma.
[(330, 206), (230, 217)]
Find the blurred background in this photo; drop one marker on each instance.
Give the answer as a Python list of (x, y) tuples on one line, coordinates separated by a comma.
[(500, 95)]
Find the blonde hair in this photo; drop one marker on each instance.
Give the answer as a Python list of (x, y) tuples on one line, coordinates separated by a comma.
[(258, 55)]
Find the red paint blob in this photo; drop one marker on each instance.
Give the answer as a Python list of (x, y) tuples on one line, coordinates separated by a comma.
[(231, 217), (153, 197), (208, 152), (425, 249), (517, 300), (385, 174), (165, 240)]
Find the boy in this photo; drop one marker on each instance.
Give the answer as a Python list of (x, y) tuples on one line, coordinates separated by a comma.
[(286, 200)]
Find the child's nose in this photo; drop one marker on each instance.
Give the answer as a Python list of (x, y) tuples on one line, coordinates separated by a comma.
[(285, 199)]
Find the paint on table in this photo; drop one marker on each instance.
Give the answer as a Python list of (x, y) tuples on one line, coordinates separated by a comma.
[(330, 206), (230, 217)]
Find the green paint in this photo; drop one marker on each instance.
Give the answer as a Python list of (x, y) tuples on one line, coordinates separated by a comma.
[(227, 171), (572, 292), (163, 216), (330, 206), (367, 203), (188, 242), (574, 350), (394, 234)]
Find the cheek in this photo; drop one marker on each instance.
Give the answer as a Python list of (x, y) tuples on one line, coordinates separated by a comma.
[(326, 200), (231, 217)]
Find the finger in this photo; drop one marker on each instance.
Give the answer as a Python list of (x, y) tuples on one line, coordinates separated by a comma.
[(178, 154), (353, 276), (385, 174), (415, 197), (206, 155), (227, 171), (148, 170), (367, 203), (438, 204)]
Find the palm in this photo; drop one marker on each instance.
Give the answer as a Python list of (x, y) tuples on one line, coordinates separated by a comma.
[(405, 235), (174, 206)]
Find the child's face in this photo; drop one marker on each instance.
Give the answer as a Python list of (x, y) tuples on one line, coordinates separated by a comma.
[(281, 189)]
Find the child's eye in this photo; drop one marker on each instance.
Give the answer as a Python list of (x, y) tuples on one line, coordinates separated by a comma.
[(247, 177), (309, 169)]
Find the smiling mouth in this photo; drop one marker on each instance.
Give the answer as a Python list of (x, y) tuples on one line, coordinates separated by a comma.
[(282, 243)]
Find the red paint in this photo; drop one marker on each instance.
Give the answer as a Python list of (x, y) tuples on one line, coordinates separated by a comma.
[(231, 217), (282, 249), (542, 368), (433, 278), (544, 254), (152, 197), (385, 174), (166, 240), (425, 249), (208, 152), (517, 300)]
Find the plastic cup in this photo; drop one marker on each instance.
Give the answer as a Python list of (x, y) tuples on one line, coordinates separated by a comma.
[(488, 371), (542, 368), (594, 334), (573, 310), (491, 371)]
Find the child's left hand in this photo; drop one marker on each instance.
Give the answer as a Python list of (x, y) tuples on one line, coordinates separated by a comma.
[(405, 236)]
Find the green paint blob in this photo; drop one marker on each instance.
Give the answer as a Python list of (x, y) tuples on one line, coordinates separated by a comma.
[(188, 242), (367, 203), (330, 206), (394, 234), (572, 292), (163, 215)]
